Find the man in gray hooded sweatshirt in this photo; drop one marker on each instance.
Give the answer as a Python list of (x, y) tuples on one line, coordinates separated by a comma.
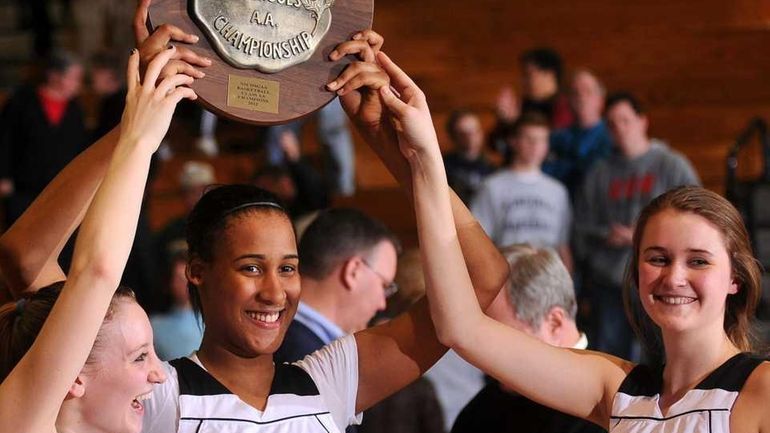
[(613, 194)]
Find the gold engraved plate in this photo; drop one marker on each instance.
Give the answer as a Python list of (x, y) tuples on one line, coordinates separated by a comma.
[(253, 94), (267, 35)]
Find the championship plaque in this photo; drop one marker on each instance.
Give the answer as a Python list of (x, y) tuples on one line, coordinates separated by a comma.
[(270, 57)]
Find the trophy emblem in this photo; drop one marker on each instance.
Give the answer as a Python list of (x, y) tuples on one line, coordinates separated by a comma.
[(270, 56)]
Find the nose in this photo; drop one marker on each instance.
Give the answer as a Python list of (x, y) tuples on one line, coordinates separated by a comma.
[(271, 291), (157, 372), (675, 275)]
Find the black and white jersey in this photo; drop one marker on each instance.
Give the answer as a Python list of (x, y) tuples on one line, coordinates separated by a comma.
[(704, 409), (315, 395)]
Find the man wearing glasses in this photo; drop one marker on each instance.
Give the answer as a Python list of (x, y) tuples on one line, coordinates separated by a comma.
[(347, 263)]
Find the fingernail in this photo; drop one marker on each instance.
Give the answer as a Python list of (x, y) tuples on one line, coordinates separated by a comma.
[(357, 36), (195, 38), (332, 85), (207, 60), (333, 54), (170, 47), (133, 51), (341, 92)]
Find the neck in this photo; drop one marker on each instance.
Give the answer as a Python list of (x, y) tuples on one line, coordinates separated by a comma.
[(70, 419), (52, 92), (523, 167), (691, 356), (321, 295), (254, 374), (470, 154), (570, 336), (588, 122), (636, 148)]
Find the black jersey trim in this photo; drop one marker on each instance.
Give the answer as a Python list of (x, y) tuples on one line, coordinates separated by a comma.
[(653, 418), (250, 421), (644, 381), (194, 380)]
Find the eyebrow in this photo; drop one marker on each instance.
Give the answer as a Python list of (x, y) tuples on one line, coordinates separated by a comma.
[(264, 257), (689, 250), (142, 347)]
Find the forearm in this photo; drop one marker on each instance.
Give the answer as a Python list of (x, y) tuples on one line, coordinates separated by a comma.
[(108, 229), (30, 248), (453, 306)]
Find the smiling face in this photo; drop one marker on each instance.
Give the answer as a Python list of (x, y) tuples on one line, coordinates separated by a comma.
[(685, 272), (123, 374), (250, 289)]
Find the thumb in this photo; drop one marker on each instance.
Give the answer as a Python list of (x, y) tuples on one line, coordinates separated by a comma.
[(392, 101)]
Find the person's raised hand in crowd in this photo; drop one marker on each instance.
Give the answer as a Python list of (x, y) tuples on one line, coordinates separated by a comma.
[(507, 105), (290, 145)]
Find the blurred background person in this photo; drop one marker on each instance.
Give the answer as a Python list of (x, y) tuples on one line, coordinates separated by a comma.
[(42, 128), (575, 149), (466, 166)]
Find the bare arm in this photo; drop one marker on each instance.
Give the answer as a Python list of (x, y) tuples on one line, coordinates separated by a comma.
[(30, 248), (42, 379), (529, 366), (393, 355)]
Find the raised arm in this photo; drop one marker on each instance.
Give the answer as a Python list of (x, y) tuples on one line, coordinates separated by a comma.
[(534, 369), (30, 248), (394, 354), (39, 383)]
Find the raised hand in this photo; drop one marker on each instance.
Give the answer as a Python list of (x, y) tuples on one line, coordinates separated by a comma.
[(149, 107), (150, 45), (358, 86), (410, 113)]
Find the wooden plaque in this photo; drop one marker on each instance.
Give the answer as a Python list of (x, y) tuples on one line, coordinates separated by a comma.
[(270, 57)]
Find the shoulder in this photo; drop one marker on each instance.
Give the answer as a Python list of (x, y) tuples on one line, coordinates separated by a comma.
[(342, 352), (554, 184), (753, 401)]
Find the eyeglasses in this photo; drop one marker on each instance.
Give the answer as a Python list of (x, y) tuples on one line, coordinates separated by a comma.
[(390, 288)]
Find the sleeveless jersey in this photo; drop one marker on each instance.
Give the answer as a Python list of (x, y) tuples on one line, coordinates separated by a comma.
[(703, 409)]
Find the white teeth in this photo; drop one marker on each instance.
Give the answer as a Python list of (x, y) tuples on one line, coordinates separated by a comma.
[(144, 397), (264, 317), (675, 300)]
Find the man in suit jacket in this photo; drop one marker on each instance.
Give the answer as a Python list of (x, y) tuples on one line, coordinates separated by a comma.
[(348, 263)]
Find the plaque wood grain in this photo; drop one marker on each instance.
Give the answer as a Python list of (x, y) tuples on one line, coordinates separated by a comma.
[(302, 87)]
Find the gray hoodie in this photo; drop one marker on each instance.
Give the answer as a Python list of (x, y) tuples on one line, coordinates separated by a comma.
[(614, 192)]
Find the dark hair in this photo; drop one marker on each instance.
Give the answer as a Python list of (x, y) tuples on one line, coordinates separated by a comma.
[(620, 97), (528, 118), (454, 118), (58, 61), (21, 321), (746, 271), (336, 235), (544, 58), (210, 216)]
